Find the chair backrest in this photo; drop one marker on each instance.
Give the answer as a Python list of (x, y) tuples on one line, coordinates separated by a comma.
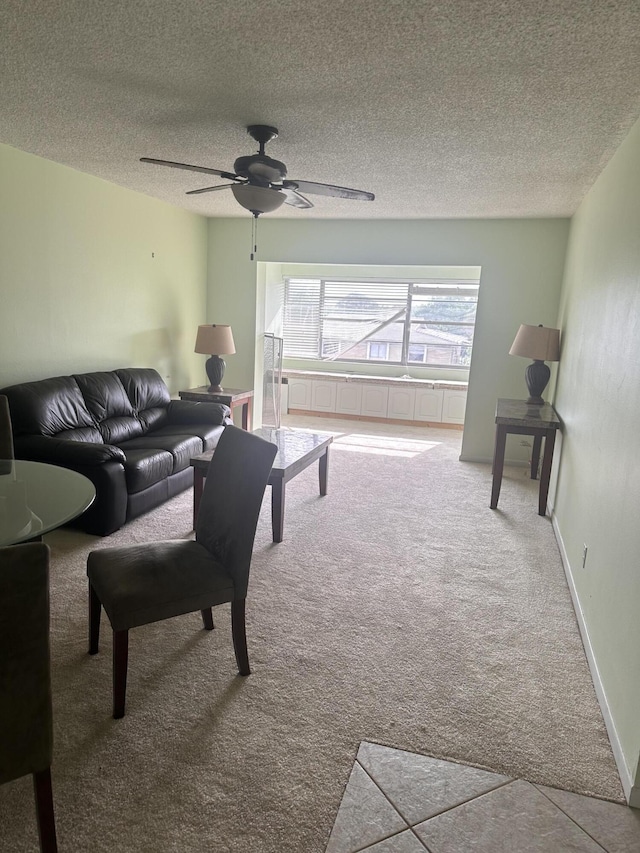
[(6, 434), (26, 734), (231, 500)]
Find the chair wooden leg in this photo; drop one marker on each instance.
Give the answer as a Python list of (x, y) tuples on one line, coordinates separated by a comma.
[(95, 609), (44, 811), (239, 634), (120, 660), (207, 619)]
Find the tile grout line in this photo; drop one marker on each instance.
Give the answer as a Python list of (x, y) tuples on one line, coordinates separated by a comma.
[(509, 781), (575, 822), (410, 826), (393, 806)]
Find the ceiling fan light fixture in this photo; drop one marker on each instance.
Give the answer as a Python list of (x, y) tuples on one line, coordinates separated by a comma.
[(257, 199)]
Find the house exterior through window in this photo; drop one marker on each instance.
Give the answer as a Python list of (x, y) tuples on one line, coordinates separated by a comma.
[(429, 323)]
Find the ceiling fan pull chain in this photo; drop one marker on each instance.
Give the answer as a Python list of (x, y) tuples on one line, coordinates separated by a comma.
[(254, 235)]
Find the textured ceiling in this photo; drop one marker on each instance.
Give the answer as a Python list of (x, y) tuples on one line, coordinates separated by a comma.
[(465, 108)]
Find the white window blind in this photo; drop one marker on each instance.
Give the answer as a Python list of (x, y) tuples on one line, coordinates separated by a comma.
[(396, 322)]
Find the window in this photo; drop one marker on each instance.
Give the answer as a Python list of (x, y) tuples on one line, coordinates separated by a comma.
[(428, 322), (417, 353), (378, 351)]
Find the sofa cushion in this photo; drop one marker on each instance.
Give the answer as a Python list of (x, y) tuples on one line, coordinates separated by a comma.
[(50, 407), (181, 447), (208, 433), (145, 467), (148, 394), (109, 406)]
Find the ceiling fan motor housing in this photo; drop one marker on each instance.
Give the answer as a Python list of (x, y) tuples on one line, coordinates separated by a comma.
[(260, 169)]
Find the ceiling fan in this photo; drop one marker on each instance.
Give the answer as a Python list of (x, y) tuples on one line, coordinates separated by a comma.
[(260, 183)]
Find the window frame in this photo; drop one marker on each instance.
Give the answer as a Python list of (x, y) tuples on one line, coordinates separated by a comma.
[(384, 344), (414, 289)]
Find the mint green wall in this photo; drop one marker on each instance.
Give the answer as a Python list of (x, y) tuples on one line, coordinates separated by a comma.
[(522, 263), (597, 497), (80, 288)]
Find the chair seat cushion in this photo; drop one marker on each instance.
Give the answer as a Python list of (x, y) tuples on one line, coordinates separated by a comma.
[(144, 468), (145, 583), (181, 447)]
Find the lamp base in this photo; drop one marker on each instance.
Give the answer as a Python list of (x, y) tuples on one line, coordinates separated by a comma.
[(537, 375), (215, 371)]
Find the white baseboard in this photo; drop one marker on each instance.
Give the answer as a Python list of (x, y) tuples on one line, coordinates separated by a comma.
[(631, 790)]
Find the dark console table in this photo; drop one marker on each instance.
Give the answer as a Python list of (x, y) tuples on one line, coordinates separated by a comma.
[(522, 418)]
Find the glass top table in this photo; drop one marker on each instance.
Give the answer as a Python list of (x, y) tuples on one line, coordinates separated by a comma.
[(36, 498), (297, 449)]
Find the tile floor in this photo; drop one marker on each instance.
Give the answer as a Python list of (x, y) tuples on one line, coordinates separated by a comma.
[(400, 802)]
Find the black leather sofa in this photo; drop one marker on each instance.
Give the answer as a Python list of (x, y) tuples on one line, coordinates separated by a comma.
[(122, 430)]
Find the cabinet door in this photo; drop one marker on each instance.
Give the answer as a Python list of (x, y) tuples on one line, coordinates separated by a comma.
[(323, 396), (348, 398), (375, 400), (429, 404), (453, 407), (401, 403), (300, 394)]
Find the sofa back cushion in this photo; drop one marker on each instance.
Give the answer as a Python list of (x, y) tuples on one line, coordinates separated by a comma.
[(51, 407), (109, 406), (148, 394)]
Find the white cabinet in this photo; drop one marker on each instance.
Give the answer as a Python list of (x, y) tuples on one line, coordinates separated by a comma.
[(348, 398), (401, 403), (299, 393), (428, 405), (323, 396), (375, 399), (453, 406), (380, 400)]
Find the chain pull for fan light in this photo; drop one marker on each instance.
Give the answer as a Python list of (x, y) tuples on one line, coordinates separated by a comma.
[(254, 235)]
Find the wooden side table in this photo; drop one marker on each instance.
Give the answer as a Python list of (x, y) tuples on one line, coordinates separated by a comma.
[(522, 418), (231, 397)]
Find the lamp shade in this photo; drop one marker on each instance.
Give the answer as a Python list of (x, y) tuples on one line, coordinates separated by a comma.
[(215, 340), (257, 199), (539, 343)]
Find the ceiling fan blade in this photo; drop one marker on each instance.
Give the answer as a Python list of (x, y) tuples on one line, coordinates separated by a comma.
[(228, 175), (328, 189), (295, 199), (210, 189)]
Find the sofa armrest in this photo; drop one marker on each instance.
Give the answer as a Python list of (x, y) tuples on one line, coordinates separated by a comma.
[(190, 412), (58, 451)]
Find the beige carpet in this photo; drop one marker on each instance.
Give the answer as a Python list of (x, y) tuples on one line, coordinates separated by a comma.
[(399, 609)]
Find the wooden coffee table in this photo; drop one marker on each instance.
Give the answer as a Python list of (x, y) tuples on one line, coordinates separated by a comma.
[(297, 450)]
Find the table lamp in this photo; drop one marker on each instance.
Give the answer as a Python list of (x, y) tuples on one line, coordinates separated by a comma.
[(541, 344), (215, 340)]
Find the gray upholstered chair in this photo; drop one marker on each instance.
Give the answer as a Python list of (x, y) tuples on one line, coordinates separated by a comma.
[(6, 435), (26, 730), (138, 584)]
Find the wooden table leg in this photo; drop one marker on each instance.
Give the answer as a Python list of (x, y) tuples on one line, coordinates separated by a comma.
[(498, 464), (277, 509), (535, 456), (246, 415), (198, 486), (545, 476), (323, 471)]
